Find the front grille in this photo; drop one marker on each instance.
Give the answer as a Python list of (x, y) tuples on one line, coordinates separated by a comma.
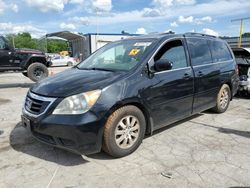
[(36, 104)]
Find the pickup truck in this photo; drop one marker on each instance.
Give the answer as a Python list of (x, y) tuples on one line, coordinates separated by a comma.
[(32, 63)]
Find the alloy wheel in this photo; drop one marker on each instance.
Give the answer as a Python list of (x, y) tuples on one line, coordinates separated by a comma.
[(224, 99), (127, 132)]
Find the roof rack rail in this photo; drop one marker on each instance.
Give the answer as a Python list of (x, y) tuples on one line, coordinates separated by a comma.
[(168, 32), (198, 34), (161, 33)]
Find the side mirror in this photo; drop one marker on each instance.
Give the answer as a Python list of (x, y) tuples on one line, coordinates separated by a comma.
[(163, 64)]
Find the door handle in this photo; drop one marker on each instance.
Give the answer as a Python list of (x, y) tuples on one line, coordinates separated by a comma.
[(200, 74), (186, 76)]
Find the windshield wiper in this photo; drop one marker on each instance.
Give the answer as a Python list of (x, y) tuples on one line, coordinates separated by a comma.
[(96, 68), (101, 69)]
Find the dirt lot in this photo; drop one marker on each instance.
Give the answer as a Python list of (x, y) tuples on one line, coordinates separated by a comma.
[(207, 150)]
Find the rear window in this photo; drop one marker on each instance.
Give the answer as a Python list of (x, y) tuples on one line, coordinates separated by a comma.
[(220, 51), (199, 51)]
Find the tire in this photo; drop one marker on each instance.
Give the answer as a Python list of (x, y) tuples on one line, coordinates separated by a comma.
[(37, 71), (25, 74), (69, 64), (118, 139), (223, 99), (49, 63)]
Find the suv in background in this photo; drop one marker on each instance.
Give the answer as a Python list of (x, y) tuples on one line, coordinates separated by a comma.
[(32, 63), (242, 56), (130, 88)]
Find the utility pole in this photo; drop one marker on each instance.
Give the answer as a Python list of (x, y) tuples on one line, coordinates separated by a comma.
[(241, 28), (13, 41), (97, 27)]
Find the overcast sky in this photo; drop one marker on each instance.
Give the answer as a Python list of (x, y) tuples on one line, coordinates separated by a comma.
[(134, 16)]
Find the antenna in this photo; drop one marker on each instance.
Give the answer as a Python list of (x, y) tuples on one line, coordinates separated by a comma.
[(241, 28)]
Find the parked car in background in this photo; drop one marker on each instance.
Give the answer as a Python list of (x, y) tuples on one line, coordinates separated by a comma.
[(52, 55), (63, 61), (130, 88), (242, 56), (32, 63)]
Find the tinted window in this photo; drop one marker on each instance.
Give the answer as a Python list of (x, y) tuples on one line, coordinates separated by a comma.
[(117, 56), (220, 51), (2, 44), (174, 52), (199, 51)]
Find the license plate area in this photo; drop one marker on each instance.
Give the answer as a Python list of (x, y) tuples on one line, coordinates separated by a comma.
[(25, 122)]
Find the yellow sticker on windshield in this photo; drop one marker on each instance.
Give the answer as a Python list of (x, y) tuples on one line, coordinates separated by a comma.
[(134, 52)]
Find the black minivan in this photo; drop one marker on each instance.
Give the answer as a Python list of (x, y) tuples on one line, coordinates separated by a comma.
[(130, 88)]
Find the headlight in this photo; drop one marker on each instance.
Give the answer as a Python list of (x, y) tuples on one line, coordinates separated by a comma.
[(78, 104)]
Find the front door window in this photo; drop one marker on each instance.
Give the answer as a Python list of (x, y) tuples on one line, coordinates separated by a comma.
[(174, 52)]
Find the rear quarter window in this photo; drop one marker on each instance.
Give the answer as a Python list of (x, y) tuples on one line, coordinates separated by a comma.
[(219, 50), (199, 51)]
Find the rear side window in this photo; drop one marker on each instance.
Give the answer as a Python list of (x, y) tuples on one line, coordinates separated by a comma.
[(199, 51), (220, 51)]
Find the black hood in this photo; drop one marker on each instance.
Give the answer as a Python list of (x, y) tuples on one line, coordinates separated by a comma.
[(74, 81)]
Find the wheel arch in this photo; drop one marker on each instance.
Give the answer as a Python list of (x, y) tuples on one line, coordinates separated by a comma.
[(136, 103), (36, 59)]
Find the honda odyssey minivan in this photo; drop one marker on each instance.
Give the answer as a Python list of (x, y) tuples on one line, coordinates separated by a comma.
[(130, 88)]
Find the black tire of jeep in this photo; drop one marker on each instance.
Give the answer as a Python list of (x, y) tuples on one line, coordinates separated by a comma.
[(69, 64), (112, 128), (37, 71), (223, 99), (25, 74)]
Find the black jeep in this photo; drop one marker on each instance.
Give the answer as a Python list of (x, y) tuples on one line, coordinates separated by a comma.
[(32, 63)]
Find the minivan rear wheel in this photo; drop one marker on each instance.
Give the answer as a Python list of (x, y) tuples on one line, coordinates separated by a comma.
[(124, 131), (223, 99)]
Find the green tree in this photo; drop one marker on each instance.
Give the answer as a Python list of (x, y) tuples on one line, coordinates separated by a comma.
[(24, 40), (55, 46), (246, 35)]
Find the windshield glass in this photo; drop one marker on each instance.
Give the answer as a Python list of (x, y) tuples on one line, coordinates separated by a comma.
[(121, 56)]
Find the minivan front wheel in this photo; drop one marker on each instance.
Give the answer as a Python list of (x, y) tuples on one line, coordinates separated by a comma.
[(124, 131), (223, 99)]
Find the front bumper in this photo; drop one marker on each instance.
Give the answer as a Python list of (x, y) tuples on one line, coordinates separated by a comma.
[(81, 134), (244, 85)]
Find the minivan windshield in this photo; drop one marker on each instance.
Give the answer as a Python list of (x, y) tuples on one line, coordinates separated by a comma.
[(117, 56)]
